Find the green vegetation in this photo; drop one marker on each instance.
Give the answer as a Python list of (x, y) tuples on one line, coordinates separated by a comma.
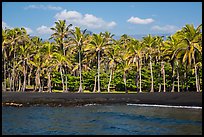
[(78, 62)]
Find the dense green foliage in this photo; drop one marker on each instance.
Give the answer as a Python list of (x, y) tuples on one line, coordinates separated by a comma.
[(76, 61)]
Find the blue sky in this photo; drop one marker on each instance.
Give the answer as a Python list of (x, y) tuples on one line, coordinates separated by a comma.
[(116, 17)]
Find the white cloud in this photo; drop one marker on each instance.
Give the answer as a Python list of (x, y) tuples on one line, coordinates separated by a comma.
[(28, 30), (72, 15), (166, 28), (43, 7), (136, 20), (86, 20), (44, 30), (4, 25), (111, 24)]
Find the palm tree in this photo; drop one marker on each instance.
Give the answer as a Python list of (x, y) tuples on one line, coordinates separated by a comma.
[(191, 47), (170, 46), (48, 49), (37, 63), (4, 57), (98, 42), (59, 61), (112, 54), (79, 39), (125, 64), (13, 37), (136, 53), (149, 42), (25, 56), (61, 31)]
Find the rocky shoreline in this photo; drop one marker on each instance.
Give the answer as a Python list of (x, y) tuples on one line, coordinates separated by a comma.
[(19, 99)]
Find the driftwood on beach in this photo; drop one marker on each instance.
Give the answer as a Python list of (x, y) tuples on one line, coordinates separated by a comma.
[(20, 99)]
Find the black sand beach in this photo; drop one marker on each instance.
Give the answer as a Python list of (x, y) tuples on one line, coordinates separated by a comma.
[(69, 99)]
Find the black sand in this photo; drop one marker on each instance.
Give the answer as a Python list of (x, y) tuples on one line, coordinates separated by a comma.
[(68, 99)]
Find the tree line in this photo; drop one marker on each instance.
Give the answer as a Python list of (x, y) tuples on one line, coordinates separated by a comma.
[(76, 61)]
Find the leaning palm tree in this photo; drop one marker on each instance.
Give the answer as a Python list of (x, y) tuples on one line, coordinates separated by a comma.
[(79, 39)]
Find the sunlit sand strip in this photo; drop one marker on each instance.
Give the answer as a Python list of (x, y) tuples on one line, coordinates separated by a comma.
[(166, 106)]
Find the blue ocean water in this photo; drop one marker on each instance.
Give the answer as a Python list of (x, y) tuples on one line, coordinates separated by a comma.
[(101, 119)]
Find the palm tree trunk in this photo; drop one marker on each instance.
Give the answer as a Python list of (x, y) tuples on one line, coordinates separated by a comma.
[(124, 79), (19, 83), (4, 74), (94, 90), (137, 77), (39, 83), (13, 71), (99, 90), (198, 80), (178, 78), (24, 76), (152, 86), (172, 90), (196, 74), (110, 81), (13, 76), (62, 78), (29, 75), (10, 82), (49, 82), (80, 86), (37, 80), (140, 67), (186, 76), (163, 72), (159, 77), (66, 86)]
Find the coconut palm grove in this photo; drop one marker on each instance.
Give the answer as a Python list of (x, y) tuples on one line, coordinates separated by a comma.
[(73, 60)]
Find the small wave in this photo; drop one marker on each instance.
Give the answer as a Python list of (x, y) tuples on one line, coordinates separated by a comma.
[(90, 104), (166, 106)]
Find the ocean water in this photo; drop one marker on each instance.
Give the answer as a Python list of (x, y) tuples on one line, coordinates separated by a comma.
[(95, 119)]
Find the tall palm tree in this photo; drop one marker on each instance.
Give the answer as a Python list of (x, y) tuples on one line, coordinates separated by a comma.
[(47, 50), (125, 65), (191, 37), (79, 39), (171, 45), (4, 55), (59, 61), (112, 54), (37, 63), (149, 42), (163, 57), (61, 31), (20, 39), (98, 42), (136, 53)]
